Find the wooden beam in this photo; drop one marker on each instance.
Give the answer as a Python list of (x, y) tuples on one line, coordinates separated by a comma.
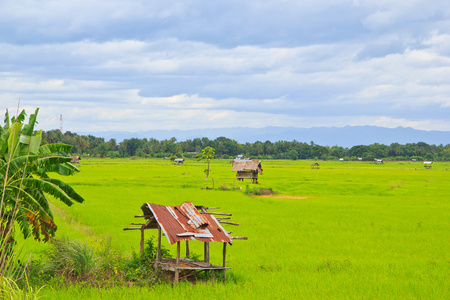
[(218, 213), (239, 238), (213, 207), (134, 228), (143, 216), (230, 223), (137, 224), (226, 218)]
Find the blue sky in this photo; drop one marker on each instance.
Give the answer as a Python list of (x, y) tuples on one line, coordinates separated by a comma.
[(146, 65)]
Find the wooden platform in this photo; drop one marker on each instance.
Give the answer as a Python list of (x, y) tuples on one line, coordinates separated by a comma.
[(170, 264), (187, 266)]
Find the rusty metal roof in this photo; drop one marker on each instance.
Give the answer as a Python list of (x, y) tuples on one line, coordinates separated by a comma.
[(184, 222)]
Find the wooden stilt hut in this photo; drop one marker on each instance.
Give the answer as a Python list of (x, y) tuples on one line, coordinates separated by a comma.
[(247, 169), (185, 222), (315, 166)]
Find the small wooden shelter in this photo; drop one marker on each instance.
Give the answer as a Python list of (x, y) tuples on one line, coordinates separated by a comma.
[(75, 159), (179, 161), (185, 222), (247, 169), (315, 166), (427, 164)]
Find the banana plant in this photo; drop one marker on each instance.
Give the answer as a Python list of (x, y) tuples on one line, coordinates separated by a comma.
[(25, 184)]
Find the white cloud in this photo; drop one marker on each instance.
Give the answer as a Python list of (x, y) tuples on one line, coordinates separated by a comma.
[(164, 65)]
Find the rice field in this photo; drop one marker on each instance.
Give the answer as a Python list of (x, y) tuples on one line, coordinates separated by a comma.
[(350, 230)]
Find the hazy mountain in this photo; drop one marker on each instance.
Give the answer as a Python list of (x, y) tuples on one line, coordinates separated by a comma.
[(325, 136)]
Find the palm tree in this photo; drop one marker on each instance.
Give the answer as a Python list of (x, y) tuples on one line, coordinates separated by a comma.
[(24, 165)]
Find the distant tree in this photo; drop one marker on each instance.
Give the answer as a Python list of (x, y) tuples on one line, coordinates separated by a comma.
[(132, 145), (207, 154), (292, 154), (101, 150), (112, 144)]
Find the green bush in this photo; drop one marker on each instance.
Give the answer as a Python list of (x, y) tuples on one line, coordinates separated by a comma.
[(140, 269)]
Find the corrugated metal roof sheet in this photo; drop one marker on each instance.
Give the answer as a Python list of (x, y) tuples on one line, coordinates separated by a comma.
[(184, 222)]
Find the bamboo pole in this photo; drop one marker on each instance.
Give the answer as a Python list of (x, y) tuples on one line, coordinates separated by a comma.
[(187, 249)]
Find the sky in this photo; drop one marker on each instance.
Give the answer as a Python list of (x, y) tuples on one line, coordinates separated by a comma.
[(161, 65)]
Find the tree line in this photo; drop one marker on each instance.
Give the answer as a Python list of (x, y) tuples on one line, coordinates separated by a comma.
[(228, 148)]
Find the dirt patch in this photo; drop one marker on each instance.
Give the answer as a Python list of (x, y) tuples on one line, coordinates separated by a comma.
[(397, 185), (266, 192), (284, 197), (262, 192)]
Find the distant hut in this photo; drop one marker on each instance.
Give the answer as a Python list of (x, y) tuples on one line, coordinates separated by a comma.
[(427, 164), (315, 166), (378, 161), (75, 159), (247, 169), (179, 161)]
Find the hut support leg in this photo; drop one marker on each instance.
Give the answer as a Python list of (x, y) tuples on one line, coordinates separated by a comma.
[(224, 259), (177, 271), (187, 249), (142, 242), (206, 252), (158, 250)]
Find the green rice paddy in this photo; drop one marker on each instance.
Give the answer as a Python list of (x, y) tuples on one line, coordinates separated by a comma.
[(350, 230)]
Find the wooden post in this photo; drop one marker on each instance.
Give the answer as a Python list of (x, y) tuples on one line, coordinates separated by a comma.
[(177, 271), (187, 249), (178, 253), (142, 242), (224, 259), (158, 250), (206, 249), (206, 252)]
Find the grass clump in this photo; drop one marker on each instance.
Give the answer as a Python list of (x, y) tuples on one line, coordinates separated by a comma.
[(258, 191), (70, 259), (71, 262), (9, 289)]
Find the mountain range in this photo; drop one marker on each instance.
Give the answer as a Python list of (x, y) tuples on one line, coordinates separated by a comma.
[(347, 136)]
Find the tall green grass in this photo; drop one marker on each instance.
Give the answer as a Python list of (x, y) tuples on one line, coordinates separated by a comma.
[(349, 230)]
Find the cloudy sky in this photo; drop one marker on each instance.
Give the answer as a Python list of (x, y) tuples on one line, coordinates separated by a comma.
[(160, 64)]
